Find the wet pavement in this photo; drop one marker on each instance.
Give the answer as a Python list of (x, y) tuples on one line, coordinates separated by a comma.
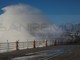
[(45, 55)]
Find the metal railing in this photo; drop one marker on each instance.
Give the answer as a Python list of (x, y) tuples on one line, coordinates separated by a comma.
[(11, 46)]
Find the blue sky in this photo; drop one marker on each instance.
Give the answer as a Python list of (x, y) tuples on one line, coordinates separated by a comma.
[(58, 11)]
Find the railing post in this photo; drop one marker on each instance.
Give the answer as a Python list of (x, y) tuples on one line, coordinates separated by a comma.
[(46, 43), (54, 42), (7, 46), (34, 44), (17, 45)]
